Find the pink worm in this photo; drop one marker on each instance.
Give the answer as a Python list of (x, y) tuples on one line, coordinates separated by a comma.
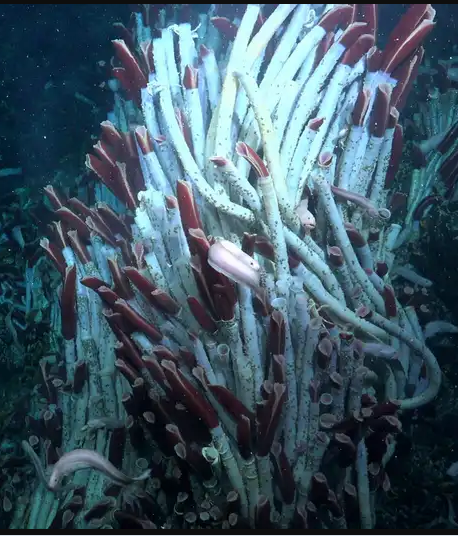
[(360, 200), (226, 258)]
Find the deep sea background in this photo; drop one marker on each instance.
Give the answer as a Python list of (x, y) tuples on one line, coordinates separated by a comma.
[(49, 52)]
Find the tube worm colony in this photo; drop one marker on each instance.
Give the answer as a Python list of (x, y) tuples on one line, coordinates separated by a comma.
[(229, 324)]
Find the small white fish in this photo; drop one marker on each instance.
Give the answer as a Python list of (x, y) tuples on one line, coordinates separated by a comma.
[(80, 459), (90, 459), (305, 216)]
